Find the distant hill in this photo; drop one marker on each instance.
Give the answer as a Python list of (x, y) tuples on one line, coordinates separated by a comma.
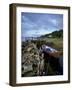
[(54, 34)]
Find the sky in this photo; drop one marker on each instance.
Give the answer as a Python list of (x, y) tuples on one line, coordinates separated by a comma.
[(37, 24)]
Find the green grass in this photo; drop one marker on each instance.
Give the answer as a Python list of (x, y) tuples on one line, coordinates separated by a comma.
[(57, 42)]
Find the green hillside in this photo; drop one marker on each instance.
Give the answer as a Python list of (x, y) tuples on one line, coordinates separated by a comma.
[(55, 34)]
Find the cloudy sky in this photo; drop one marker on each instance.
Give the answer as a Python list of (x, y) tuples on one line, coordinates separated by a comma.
[(36, 24)]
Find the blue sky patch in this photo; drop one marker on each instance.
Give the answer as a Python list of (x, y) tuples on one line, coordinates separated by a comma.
[(37, 24)]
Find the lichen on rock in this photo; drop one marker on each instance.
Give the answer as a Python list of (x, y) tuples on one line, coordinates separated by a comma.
[(30, 56)]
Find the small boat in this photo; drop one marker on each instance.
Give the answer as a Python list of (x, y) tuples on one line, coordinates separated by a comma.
[(51, 51), (48, 49)]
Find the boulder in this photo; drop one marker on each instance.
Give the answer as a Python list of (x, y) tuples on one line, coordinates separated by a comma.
[(30, 57)]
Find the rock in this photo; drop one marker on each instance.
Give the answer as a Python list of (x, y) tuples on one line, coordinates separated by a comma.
[(30, 56)]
